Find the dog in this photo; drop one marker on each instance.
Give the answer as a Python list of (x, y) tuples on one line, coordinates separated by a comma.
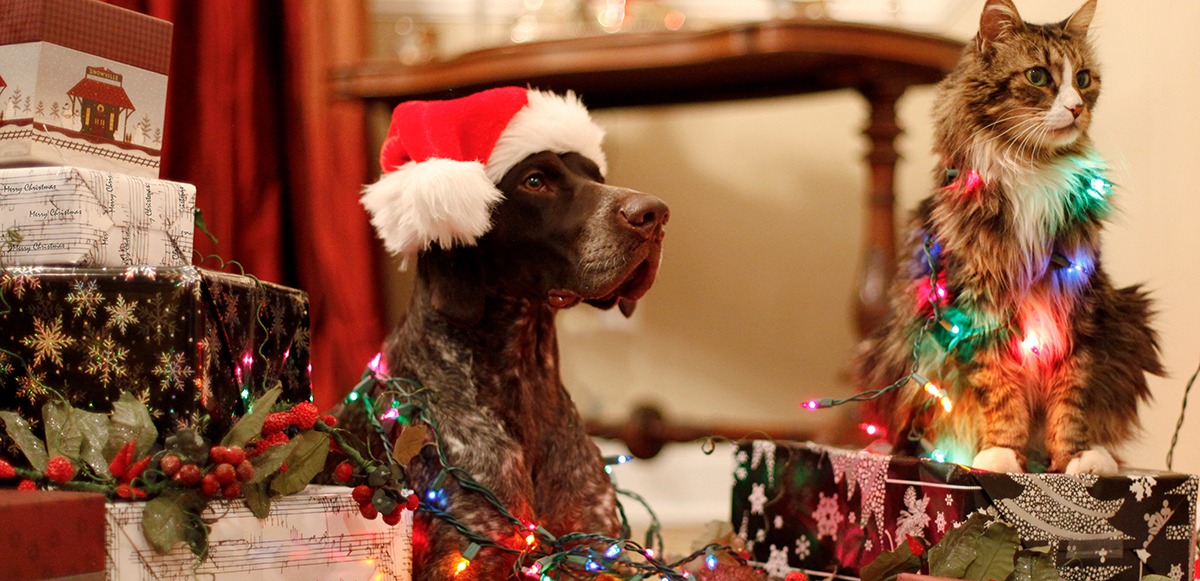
[(479, 338)]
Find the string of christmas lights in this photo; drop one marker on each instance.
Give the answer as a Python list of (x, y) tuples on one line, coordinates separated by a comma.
[(954, 329), (575, 555)]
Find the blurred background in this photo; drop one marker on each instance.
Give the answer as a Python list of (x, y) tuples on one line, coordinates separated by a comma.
[(752, 312)]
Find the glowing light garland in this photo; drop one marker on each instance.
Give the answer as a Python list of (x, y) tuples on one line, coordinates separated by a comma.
[(954, 329), (575, 555)]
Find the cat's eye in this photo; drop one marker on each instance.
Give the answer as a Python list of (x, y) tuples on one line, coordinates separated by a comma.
[(1038, 76), (1083, 79), (535, 181)]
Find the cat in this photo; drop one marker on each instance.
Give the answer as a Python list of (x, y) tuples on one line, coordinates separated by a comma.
[(1002, 309)]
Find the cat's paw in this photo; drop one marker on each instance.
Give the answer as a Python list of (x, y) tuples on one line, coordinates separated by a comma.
[(997, 459), (1095, 461)]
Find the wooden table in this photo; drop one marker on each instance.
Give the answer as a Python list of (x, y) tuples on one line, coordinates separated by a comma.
[(779, 57)]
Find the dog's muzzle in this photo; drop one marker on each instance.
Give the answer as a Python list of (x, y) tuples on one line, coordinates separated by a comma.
[(640, 221)]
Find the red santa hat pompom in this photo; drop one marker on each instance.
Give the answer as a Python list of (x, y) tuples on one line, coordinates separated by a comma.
[(443, 159)]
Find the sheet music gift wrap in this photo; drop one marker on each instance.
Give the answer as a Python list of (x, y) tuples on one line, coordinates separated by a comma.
[(83, 217), (316, 533)]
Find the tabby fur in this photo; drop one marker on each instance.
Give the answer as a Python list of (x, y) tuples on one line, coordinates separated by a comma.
[(1049, 361)]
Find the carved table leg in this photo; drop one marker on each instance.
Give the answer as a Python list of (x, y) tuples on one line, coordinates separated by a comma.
[(879, 252)]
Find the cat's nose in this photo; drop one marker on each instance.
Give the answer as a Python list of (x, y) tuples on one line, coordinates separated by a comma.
[(1076, 110)]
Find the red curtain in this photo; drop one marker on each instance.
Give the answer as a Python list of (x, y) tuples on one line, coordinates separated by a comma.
[(277, 161)]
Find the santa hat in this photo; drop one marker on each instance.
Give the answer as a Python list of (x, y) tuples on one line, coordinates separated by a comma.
[(443, 159)]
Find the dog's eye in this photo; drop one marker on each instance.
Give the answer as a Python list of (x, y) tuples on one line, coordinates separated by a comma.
[(535, 182)]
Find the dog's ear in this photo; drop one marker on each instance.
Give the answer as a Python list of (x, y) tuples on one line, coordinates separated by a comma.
[(455, 279)]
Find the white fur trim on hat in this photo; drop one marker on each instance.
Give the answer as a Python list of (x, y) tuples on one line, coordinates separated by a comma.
[(549, 122), (436, 200)]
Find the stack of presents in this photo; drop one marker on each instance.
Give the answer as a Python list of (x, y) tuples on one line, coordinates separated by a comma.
[(99, 297)]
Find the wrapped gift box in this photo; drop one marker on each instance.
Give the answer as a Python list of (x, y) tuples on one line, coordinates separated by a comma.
[(317, 533), (83, 83), (186, 341), (83, 217), (43, 535), (801, 506)]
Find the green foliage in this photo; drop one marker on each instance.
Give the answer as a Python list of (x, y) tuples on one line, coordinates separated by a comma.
[(995, 553), (306, 461), (174, 518), (250, 425), (1036, 565), (130, 421), (18, 430), (76, 434), (63, 437), (983, 548), (257, 498), (887, 566), (268, 463), (94, 428)]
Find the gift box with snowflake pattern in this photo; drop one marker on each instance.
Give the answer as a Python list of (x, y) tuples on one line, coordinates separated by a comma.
[(188, 342), (806, 507)]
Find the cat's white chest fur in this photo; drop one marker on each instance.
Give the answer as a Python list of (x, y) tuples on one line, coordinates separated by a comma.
[(1039, 196)]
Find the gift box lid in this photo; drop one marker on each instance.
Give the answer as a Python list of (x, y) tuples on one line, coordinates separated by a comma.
[(38, 525), (89, 26)]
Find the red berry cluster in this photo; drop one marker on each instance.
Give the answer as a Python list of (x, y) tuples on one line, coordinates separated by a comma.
[(343, 473), (371, 500), (303, 416), (228, 469), (60, 470)]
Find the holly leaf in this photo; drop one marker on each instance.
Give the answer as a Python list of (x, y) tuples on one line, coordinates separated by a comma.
[(18, 431), (268, 462), (409, 443), (257, 498), (63, 437), (889, 565), (305, 462), (994, 553), (1036, 565), (174, 518), (956, 551), (94, 429), (249, 426), (76, 434), (130, 421)]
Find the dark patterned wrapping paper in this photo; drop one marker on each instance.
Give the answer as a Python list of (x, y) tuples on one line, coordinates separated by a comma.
[(185, 341), (802, 506)]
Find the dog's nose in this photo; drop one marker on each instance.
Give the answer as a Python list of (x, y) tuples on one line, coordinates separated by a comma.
[(644, 212)]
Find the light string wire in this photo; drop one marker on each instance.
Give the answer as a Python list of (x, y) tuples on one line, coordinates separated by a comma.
[(574, 555), (914, 369), (1094, 184), (1179, 423)]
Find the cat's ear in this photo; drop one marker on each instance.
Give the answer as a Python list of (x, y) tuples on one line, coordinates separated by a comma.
[(1079, 22), (1000, 18)]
